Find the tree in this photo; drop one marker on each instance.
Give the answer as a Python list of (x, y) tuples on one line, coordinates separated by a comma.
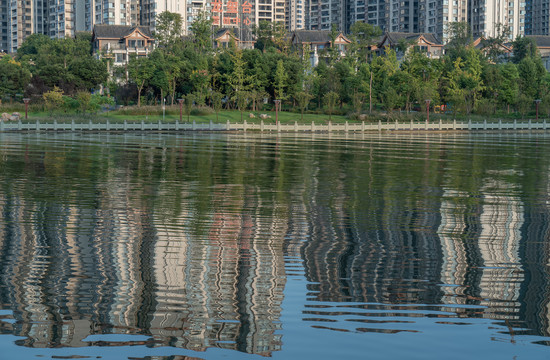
[(88, 72), (280, 81), (53, 99), (189, 99), (217, 102), (201, 28), (303, 98), (331, 99), (362, 37), (524, 47), (269, 35), (140, 72), (493, 47), (465, 83), (531, 72), (14, 78), (83, 98), (168, 28), (509, 89)]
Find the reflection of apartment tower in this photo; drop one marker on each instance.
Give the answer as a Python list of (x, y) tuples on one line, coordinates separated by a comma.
[(501, 219), (223, 289), (456, 253)]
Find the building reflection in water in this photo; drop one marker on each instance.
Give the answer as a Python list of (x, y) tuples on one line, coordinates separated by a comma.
[(186, 243)]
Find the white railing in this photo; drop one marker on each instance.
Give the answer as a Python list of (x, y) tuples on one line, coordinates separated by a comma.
[(295, 127)]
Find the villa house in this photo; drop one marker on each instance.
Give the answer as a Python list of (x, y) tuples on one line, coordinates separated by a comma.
[(120, 41), (424, 42), (314, 43), (243, 39)]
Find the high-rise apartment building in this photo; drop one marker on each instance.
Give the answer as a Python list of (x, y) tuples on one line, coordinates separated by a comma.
[(20, 19), (295, 15), (113, 12), (150, 9), (537, 17)]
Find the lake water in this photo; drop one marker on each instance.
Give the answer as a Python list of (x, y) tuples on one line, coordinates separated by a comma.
[(244, 246)]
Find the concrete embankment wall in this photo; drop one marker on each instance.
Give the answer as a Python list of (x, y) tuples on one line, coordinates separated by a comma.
[(272, 127)]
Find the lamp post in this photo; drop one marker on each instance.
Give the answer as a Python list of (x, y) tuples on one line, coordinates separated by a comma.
[(428, 110), (537, 102), (277, 103), (180, 101), (26, 101)]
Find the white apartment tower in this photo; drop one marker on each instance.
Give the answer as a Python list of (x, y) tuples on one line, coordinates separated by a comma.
[(295, 15), (112, 12), (19, 19)]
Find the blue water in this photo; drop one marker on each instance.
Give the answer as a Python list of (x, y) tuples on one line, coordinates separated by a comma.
[(417, 246)]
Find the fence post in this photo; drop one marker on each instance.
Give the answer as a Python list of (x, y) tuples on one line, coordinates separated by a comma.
[(125, 125), (262, 125), (194, 125), (312, 126), (37, 125), (363, 126), (72, 124), (379, 125), (440, 124), (19, 124), (244, 125), (210, 125), (515, 124), (396, 125), (2, 126), (295, 126), (228, 125), (278, 126), (544, 124), (426, 125), (529, 124), (54, 124)]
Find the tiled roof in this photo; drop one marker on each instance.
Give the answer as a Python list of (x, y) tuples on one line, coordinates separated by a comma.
[(395, 37), (540, 40), (118, 31)]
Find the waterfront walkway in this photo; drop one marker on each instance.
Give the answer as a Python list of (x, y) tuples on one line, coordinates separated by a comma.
[(324, 126)]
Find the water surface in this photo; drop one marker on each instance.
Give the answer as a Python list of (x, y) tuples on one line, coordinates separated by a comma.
[(214, 246)]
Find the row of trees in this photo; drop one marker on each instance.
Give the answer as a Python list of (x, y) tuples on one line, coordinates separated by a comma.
[(466, 78)]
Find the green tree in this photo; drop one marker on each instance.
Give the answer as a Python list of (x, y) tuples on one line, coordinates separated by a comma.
[(280, 81), (169, 28), (331, 99), (88, 73), (201, 28), (14, 78), (83, 98), (303, 98), (531, 73), (494, 46), (188, 105), (217, 103), (269, 35), (140, 72), (53, 99), (362, 37), (524, 47)]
